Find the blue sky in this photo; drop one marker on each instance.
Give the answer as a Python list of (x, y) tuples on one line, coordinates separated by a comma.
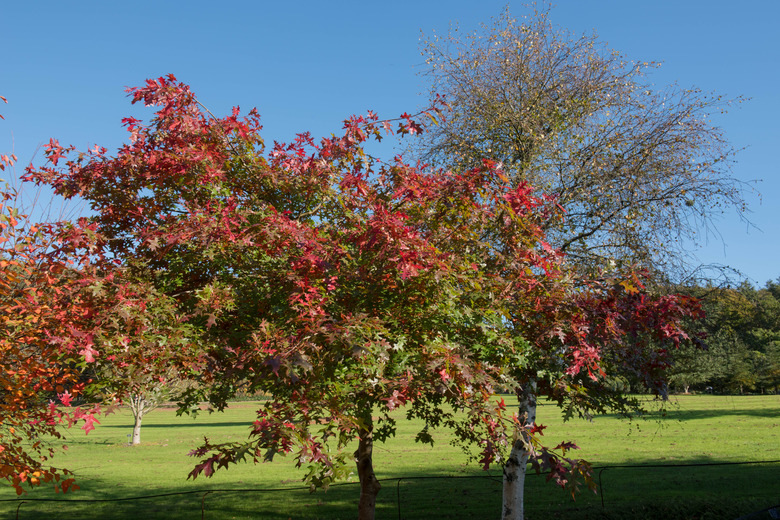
[(307, 65)]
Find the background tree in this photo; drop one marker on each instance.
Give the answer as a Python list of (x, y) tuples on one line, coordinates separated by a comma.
[(152, 354), (640, 171), (147, 393), (743, 331), (696, 367)]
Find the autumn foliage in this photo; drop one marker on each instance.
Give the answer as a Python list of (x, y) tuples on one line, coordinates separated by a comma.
[(345, 287), (68, 317), (40, 347)]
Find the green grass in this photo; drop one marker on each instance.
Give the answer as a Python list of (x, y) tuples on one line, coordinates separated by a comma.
[(698, 429)]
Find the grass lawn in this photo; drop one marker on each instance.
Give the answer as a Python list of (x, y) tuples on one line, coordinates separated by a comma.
[(697, 429)]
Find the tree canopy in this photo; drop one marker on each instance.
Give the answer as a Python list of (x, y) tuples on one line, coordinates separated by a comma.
[(346, 287), (42, 307), (642, 171)]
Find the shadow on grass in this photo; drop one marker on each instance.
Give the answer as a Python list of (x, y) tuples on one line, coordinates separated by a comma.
[(179, 425), (340, 501), (690, 407), (674, 414), (671, 492), (686, 415)]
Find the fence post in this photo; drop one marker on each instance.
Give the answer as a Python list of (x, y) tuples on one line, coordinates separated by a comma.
[(601, 486), (203, 505), (398, 495), (18, 507)]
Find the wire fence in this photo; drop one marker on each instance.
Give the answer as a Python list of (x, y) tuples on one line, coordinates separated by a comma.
[(744, 490)]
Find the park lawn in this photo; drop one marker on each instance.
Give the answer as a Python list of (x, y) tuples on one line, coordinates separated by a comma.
[(696, 429)]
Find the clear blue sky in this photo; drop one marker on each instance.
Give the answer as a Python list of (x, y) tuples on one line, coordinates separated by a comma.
[(306, 65)]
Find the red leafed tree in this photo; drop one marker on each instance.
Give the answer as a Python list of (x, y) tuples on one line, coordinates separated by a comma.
[(67, 314), (40, 349), (67, 319), (346, 287), (40, 346)]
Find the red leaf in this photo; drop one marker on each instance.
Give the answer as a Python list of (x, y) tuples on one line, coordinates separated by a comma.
[(89, 423)]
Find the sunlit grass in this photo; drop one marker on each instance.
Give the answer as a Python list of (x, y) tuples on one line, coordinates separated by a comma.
[(697, 429)]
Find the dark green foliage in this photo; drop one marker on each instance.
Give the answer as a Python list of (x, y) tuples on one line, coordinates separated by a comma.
[(742, 345)]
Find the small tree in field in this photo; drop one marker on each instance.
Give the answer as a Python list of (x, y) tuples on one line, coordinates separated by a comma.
[(145, 385), (149, 350), (346, 288), (145, 396)]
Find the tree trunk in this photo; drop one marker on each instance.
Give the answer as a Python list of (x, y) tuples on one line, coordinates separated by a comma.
[(137, 427), (516, 465), (369, 485), (139, 406)]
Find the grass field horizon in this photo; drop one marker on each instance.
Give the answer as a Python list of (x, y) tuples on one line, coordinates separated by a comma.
[(697, 430)]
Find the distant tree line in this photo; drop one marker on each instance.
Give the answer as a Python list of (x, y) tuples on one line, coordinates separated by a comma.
[(740, 351)]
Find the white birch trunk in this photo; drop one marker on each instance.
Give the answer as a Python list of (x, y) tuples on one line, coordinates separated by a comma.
[(137, 429), (516, 466), (139, 406)]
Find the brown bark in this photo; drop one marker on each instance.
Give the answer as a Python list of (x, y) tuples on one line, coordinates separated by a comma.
[(369, 485)]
